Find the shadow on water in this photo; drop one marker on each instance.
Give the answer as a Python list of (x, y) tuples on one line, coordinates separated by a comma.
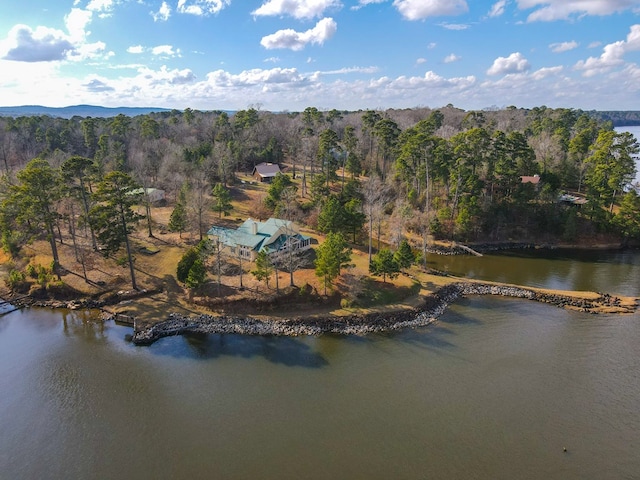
[(287, 351), (432, 337)]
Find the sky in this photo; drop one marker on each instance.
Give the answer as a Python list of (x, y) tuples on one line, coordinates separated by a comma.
[(286, 55)]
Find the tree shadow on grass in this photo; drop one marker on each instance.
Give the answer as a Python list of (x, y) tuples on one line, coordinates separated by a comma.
[(287, 351)]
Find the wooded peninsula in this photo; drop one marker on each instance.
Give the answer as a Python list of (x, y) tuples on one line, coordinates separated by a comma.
[(165, 203)]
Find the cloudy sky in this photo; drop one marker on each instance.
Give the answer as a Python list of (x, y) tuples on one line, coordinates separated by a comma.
[(345, 54)]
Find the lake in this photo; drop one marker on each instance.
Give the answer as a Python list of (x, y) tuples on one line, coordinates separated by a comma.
[(496, 389)]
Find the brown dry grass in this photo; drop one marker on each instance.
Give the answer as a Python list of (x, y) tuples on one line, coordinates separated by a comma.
[(156, 272)]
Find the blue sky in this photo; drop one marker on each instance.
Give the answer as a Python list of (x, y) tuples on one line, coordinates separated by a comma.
[(345, 54)]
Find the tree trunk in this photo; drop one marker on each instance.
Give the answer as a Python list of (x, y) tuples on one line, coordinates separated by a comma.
[(85, 203), (370, 235), (134, 285)]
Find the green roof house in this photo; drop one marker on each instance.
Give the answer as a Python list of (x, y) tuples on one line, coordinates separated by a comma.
[(275, 236)]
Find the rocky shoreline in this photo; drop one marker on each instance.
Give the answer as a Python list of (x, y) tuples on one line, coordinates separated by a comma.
[(361, 324)]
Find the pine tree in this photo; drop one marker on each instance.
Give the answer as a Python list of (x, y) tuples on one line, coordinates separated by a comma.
[(384, 264), (264, 268), (221, 200), (34, 200), (404, 256), (185, 264), (113, 218), (179, 218), (197, 274), (333, 255)]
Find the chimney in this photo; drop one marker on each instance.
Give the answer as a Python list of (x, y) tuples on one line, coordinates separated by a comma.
[(254, 228)]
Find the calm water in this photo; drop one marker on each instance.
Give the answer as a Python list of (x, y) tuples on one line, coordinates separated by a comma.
[(496, 389), (608, 271)]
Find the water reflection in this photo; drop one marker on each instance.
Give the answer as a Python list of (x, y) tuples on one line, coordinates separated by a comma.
[(85, 323), (287, 351)]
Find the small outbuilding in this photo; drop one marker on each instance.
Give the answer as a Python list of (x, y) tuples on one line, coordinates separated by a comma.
[(534, 179), (155, 196), (265, 172)]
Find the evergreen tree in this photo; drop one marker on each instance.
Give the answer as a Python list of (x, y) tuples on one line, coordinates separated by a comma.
[(34, 198), (197, 274), (113, 218), (185, 264), (332, 217), (221, 200), (178, 220), (332, 255), (279, 183), (404, 256), (628, 217), (383, 263), (264, 268)]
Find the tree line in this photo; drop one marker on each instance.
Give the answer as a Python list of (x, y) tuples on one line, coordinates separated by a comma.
[(374, 177)]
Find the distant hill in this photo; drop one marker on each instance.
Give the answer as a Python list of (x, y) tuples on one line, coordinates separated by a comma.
[(77, 110), (618, 118)]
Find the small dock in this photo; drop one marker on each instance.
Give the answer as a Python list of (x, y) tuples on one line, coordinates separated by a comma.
[(121, 318)]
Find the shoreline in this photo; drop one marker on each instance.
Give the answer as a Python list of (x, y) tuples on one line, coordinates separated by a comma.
[(362, 324)]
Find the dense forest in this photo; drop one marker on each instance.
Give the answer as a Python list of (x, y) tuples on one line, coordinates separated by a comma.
[(535, 175)]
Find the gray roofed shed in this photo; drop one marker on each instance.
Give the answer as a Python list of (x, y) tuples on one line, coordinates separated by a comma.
[(264, 172)]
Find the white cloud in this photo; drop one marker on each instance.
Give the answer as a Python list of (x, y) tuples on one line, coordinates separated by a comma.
[(163, 14), (94, 50), (300, 9), (272, 60), (41, 45), (166, 76), (563, 46), (546, 72), (202, 7), (256, 76), (293, 40), (451, 58), (100, 5), (514, 63), (420, 61), (364, 3), (431, 80), (454, 26), (76, 22), (165, 51), (612, 54), (98, 85), (432, 45), (421, 9), (280, 89), (549, 10), (497, 9), (346, 70), (135, 49), (44, 44), (595, 44)]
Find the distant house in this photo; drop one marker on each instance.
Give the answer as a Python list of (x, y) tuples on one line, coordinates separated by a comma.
[(275, 236), (265, 172), (534, 179), (155, 195)]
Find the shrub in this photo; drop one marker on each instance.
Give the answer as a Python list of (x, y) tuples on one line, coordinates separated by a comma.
[(31, 271), (16, 281)]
